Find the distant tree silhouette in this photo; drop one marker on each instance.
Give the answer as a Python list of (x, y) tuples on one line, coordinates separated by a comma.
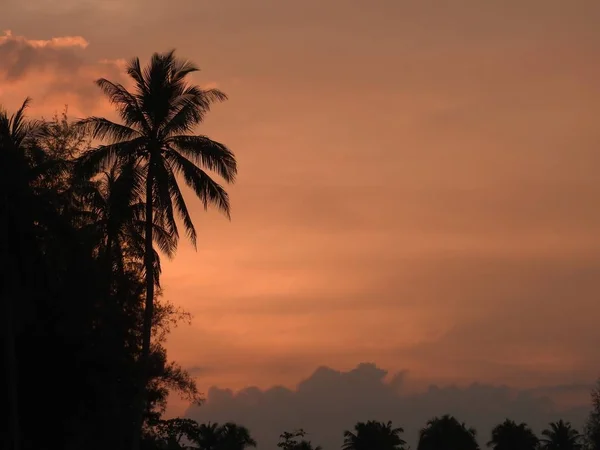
[(591, 432), (229, 436), (561, 436), (512, 436), (169, 434), (373, 435), (208, 436), (235, 437), (447, 433), (294, 441), (154, 141)]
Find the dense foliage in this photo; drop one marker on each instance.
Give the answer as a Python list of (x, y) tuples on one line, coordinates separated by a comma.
[(82, 226)]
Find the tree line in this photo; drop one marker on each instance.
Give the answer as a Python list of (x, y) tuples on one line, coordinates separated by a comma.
[(87, 210), (439, 433)]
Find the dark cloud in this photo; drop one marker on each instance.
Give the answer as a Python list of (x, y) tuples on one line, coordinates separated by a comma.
[(329, 402), (56, 70), (20, 57)]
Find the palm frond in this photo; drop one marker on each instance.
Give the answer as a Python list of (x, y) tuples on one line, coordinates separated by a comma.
[(189, 108), (167, 243), (103, 129), (207, 153), (129, 184), (134, 70), (94, 160), (126, 103), (181, 68), (18, 121), (182, 209), (161, 196), (207, 190)]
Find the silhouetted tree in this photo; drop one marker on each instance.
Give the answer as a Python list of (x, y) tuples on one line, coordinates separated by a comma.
[(208, 436), (512, 436), (447, 433), (591, 431), (229, 436), (294, 441), (373, 435), (119, 220), (153, 138), (82, 339), (561, 436), (20, 209), (168, 434), (235, 437)]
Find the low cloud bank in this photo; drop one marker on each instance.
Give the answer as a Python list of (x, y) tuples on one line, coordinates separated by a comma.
[(330, 401)]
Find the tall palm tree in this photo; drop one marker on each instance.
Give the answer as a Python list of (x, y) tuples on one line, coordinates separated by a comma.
[(21, 164), (154, 137), (512, 436), (447, 433), (561, 436), (373, 435)]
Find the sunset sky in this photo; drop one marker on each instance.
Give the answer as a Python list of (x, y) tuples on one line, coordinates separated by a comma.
[(418, 180)]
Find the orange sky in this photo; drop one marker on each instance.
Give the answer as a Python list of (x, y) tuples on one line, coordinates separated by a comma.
[(418, 180)]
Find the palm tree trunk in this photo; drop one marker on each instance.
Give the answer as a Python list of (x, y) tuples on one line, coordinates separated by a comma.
[(148, 313), (108, 256)]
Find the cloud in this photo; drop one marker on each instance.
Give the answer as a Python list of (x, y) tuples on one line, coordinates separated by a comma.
[(53, 72), (330, 401), (448, 318)]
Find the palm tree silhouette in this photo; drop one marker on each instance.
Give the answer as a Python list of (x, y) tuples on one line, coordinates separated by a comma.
[(373, 435), (208, 436), (561, 436), (235, 437), (447, 433), (154, 139), (229, 436), (512, 436)]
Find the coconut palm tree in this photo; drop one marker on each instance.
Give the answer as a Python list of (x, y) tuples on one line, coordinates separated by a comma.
[(154, 137), (512, 436), (447, 433), (561, 436), (373, 435)]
